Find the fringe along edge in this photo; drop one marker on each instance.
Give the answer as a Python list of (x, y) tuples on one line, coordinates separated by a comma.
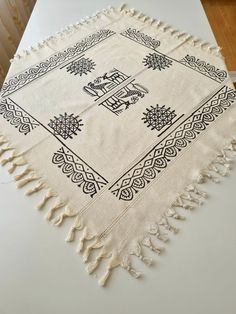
[(123, 9), (189, 199)]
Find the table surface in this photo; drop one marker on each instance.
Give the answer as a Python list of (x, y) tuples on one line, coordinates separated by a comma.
[(40, 273)]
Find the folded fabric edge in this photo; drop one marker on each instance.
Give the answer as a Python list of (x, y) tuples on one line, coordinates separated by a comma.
[(123, 9), (189, 199)]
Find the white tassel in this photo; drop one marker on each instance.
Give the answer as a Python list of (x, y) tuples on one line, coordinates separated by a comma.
[(67, 213), (23, 182), (3, 150), (154, 229), (165, 223), (111, 264), (97, 244), (76, 226), (137, 251), (148, 243), (48, 195), (14, 165), (92, 266), (55, 207), (126, 264), (171, 212), (85, 236), (35, 189), (9, 159), (22, 174)]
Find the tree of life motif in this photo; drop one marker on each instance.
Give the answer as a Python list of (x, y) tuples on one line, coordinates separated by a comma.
[(65, 125), (158, 117), (81, 66), (156, 61)]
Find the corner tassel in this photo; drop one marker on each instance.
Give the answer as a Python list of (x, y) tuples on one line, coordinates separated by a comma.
[(76, 226), (55, 207), (67, 213)]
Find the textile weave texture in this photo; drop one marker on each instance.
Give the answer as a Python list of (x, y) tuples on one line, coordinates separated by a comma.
[(114, 122)]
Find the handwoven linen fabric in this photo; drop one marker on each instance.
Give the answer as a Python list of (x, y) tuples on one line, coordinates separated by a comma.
[(112, 122)]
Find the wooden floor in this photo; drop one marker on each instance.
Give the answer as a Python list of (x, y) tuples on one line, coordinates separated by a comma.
[(222, 17)]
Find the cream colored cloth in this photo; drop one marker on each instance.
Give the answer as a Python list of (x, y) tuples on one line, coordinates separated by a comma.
[(114, 121)]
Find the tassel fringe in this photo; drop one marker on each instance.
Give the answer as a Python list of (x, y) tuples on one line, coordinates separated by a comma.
[(123, 9)]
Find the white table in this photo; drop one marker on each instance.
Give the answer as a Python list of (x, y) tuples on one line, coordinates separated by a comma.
[(40, 273)]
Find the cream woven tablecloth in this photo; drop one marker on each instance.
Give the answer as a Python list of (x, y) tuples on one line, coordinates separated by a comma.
[(115, 121)]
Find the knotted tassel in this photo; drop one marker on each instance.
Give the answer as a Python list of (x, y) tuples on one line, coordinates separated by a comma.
[(97, 244), (2, 141), (166, 224), (23, 182), (148, 243), (35, 189), (14, 165), (68, 212), (189, 197), (154, 230), (85, 236), (55, 207), (195, 190), (126, 264), (3, 150), (137, 251), (76, 226), (179, 203), (171, 212), (48, 195), (113, 262), (92, 266), (22, 174), (9, 159)]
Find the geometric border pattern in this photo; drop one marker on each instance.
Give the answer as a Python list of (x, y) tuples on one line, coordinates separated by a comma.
[(17, 82), (141, 38), (157, 159), (17, 117), (78, 172), (204, 68)]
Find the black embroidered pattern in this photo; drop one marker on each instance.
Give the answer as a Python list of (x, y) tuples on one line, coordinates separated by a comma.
[(17, 117), (78, 172), (158, 117), (125, 97), (105, 83), (166, 150), (141, 38), (65, 125), (157, 61), (81, 66), (17, 82), (204, 68)]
